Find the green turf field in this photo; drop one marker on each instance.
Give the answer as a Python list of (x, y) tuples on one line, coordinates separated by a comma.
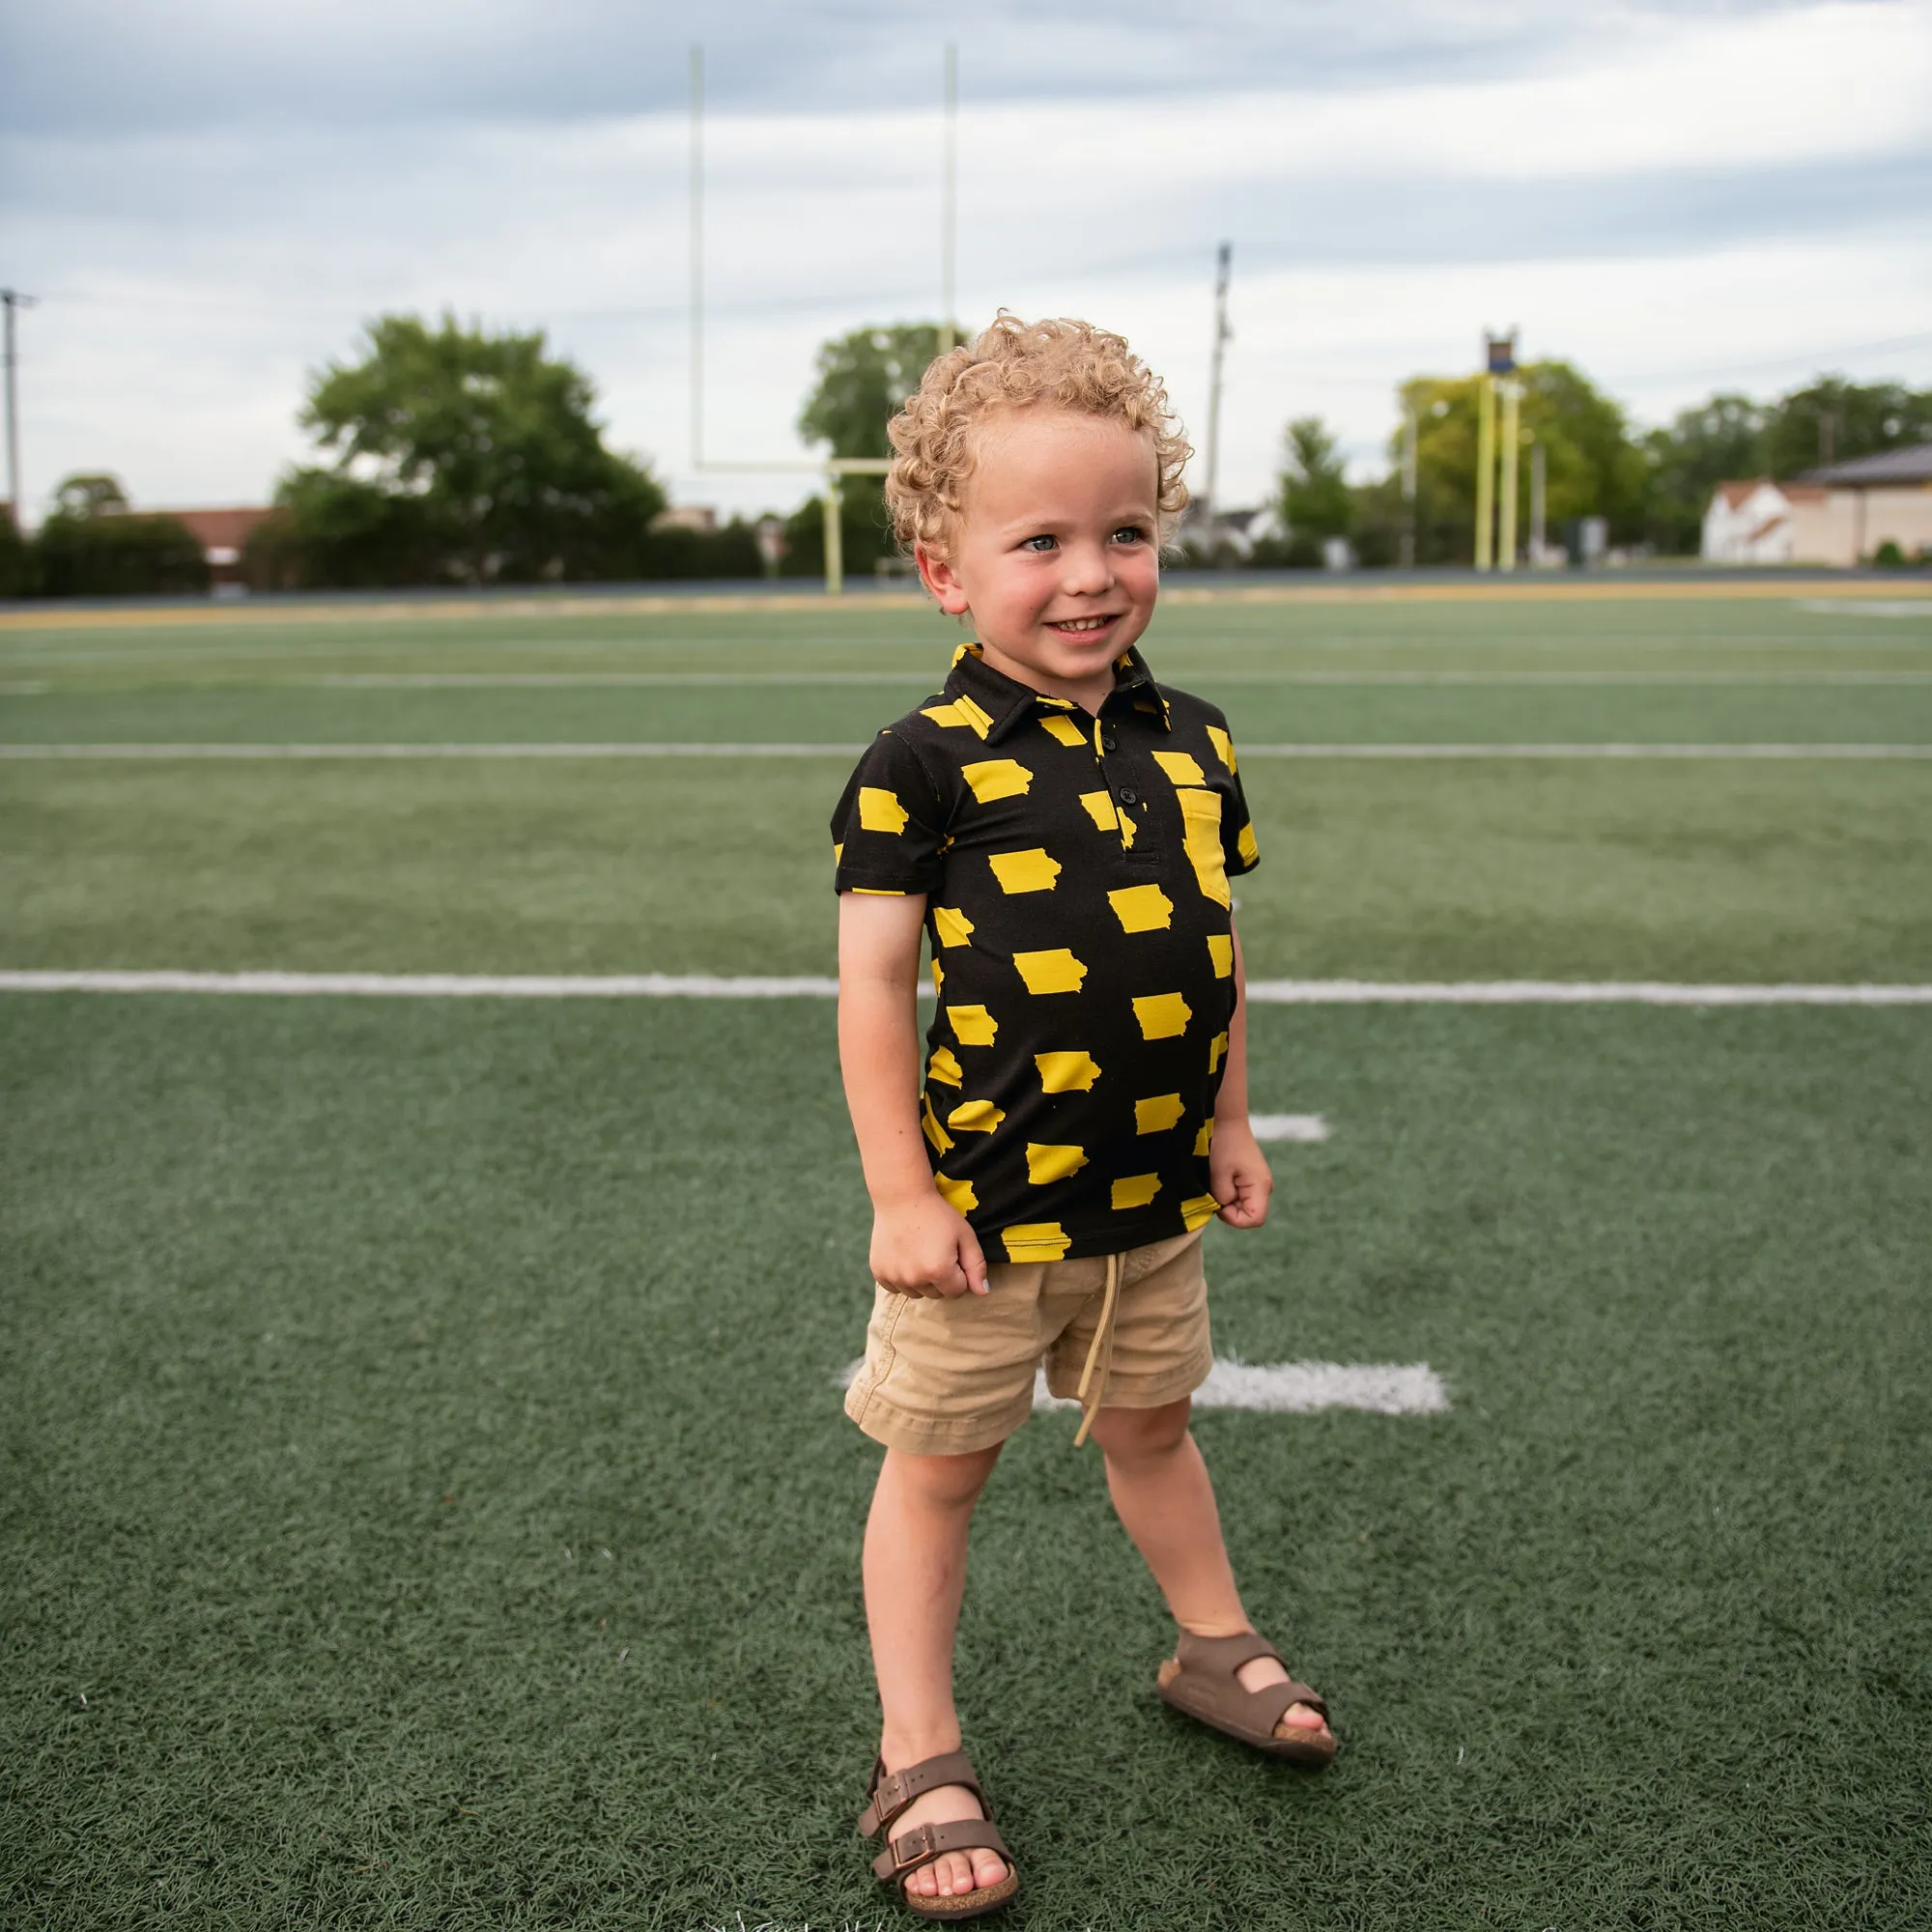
[(425, 1498)]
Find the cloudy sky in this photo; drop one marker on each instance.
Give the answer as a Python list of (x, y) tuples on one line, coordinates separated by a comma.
[(209, 197)]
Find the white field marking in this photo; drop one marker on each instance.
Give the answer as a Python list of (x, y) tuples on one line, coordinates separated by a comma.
[(1304, 1127), (1288, 1388), (241, 752), (719, 986), (1861, 752), (1573, 993), (1877, 607), (431, 985), (538, 749), (654, 680)]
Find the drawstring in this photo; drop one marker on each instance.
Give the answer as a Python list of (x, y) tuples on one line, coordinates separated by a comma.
[(1103, 1336)]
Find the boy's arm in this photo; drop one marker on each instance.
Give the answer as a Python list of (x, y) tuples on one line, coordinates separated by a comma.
[(921, 1245), (1237, 1171)]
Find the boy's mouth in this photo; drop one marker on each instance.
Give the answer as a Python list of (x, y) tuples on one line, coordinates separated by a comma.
[(1083, 627)]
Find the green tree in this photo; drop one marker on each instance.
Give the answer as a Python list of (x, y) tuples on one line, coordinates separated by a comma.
[(462, 454), (1720, 441), (1832, 420), (1316, 501), (93, 546), (1591, 466), (861, 383)]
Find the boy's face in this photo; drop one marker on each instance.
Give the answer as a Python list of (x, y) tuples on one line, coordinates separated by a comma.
[(1056, 553)]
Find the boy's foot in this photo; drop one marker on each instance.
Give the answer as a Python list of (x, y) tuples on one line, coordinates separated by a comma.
[(1302, 1727), (956, 1873)]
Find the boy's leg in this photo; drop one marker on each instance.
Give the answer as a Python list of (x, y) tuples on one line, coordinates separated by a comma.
[(915, 1577), (1162, 1490)]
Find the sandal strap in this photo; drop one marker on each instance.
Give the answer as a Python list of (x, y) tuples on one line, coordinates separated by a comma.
[(1223, 1655), (925, 1843), (892, 1791)]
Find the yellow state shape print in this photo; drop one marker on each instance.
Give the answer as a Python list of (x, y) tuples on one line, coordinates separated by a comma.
[(1066, 731), (996, 777), (1055, 971), (929, 1122), (1205, 1139), (975, 1117), (1221, 951), (971, 1026), (962, 713), (938, 977), (837, 853), (1200, 815), (1224, 746), (956, 1194), (1199, 1212), (1162, 1015), (1029, 871), (1142, 908), (1247, 846), (1100, 810), (1035, 1241), (1067, 1072), (1048, 1164), (952, 927), (1182, 767), (1135, 1190), (1157, 1115), (1216, 1047), (945, 1065), (881, 810)]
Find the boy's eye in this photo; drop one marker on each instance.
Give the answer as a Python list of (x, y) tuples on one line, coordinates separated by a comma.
[(1037, 544), (1127, 533)]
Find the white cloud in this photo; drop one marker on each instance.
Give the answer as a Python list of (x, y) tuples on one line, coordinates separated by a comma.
[(1676, 196)]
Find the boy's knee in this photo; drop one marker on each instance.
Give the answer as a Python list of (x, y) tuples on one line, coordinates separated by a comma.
[(945, 1480), (1143, 1432)]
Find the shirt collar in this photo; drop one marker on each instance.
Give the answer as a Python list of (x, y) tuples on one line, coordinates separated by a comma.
[(1007, 702)]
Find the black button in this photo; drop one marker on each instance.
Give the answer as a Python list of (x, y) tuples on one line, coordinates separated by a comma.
[(1108, 742), (1129, 796)]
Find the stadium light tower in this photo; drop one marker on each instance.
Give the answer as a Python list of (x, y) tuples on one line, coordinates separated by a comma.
[(949, 201), (13, 301)]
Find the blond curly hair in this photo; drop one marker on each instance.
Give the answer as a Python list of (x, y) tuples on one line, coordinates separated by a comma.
[(1067, 364)]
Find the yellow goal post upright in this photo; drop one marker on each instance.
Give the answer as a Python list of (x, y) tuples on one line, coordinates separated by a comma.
[(831, 470), (1496, 547)]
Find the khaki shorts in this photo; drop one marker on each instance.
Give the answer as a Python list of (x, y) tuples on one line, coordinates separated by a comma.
[(947, 1376)]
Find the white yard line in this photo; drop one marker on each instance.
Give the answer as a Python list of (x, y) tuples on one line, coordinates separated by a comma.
[(1862, 607), (1304, 1127), (1573, 992), (1289, 1388), (350, 752), (723, 986), (1858, 752), (42, 754)]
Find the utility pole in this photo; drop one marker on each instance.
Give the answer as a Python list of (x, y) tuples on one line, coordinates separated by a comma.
[(13, 301), (1410, 435), (1223, 261), (949, 202), (1538, 482)]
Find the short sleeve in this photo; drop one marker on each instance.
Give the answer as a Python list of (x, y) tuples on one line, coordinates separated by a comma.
[(1240, 850), (890, 826)]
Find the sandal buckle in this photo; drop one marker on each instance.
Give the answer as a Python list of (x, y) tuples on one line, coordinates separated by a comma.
[(915, 1847)]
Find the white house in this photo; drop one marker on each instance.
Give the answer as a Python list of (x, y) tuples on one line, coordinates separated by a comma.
[(1839, 515)]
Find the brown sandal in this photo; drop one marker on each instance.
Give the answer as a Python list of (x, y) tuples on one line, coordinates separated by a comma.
[(1200, 1680), (889, 1794)]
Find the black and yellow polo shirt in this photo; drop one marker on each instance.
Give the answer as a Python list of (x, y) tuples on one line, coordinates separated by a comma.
[(1076, 870)]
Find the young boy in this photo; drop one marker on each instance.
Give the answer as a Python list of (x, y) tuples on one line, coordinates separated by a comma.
[(1064, 830)]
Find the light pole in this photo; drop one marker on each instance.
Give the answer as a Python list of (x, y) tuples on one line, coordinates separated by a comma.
[(1410, 435), (1511, 440), (1223, 258), (13, 301), (948, 204)]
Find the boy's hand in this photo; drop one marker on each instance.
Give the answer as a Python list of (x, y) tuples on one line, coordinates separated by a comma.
[(1238, 1174), (923, 1246)]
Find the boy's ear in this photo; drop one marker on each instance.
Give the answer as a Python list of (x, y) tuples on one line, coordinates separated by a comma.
[(937, 573)]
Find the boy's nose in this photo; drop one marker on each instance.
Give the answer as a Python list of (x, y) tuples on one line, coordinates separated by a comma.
[(1086, 571)]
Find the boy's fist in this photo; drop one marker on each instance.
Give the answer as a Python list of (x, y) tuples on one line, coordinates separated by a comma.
[(1238, 1174), (924, 1247)]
